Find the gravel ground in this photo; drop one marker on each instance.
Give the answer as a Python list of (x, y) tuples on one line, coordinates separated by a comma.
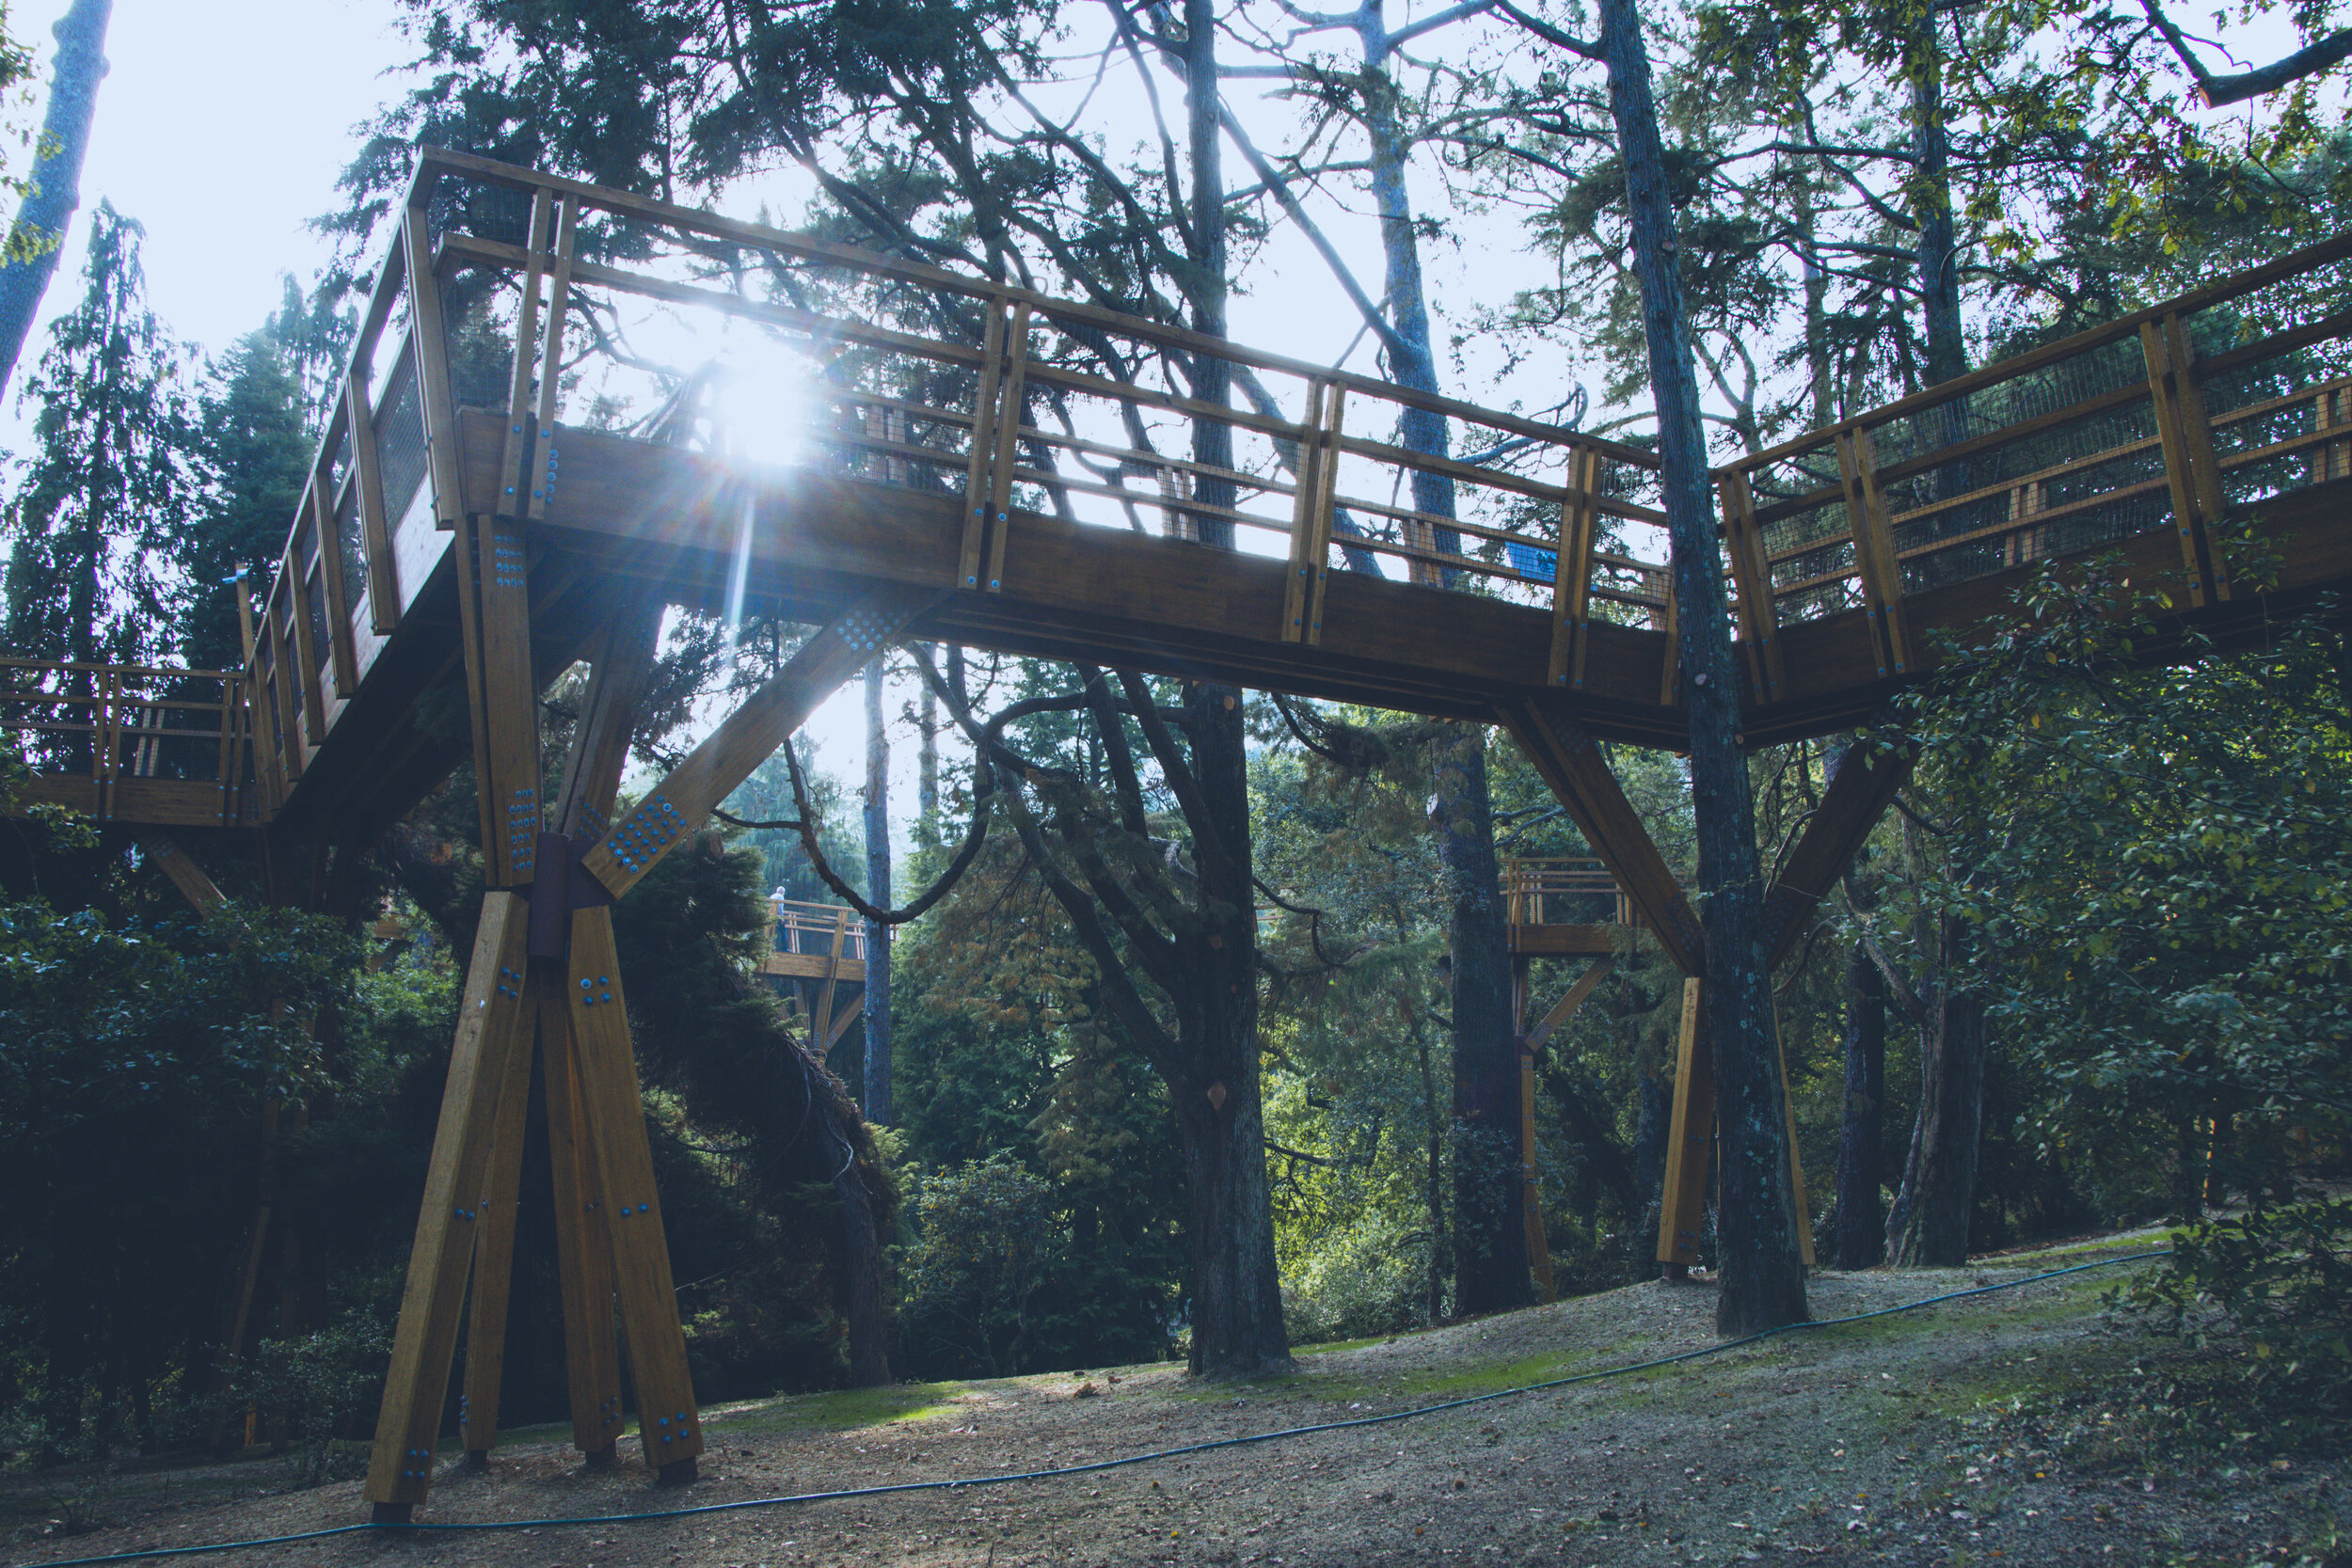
[(1895, 1441)]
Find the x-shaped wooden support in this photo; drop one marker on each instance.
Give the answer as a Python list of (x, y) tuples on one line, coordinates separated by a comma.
[(544, 981)]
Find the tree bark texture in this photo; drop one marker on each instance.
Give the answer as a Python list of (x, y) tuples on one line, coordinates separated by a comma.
[(1929, 1227), (1861, 1241), (877, 804), (1490, 1260), (1237, 1326), (1763, 1278), (48, 211)]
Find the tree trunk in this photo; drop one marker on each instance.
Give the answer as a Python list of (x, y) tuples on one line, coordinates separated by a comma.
[(877, 893), (927, 774), (1763, 1280), (1929, 1227), (48, 211), (1861, 1216), (1237, 1324), (1489, 1234), (1432, 1182), (1932, 204), (1212, 378), (868, 1320), (1490, 1262)]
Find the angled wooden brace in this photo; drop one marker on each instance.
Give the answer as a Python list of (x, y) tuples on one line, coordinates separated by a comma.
[(494, 1253), (1570, 762), (188, 877), (674, 808), (491, 1023), (1864, 784), (1691, 1135), (583, 1253), (612, 1115), (621, 664)]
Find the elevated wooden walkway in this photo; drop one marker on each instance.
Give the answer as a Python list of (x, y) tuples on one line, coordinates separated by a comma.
[(816, 952), (888, 451)]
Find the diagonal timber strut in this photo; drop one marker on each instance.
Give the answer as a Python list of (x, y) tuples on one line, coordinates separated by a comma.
[(677, 805)]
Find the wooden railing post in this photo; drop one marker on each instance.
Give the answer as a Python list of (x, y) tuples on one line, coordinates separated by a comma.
[(1310, 515), (1572, 569), (376, 533), (429, 338), (342, 652), (1753, 573), (975, 490), (1008, 433), (2189, 467), (1875, 561), (540, 475), (515, 463)]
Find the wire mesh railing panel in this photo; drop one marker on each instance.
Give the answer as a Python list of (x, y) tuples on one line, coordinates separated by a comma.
[(400, 438)]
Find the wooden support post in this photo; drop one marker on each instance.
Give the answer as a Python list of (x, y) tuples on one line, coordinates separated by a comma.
[(494, 1252), (1572, 570), (1690, 1140), (976, 483), (376, 531), (584, 1252), (1875, 561), (429, 337), (1867, 779), (2194, 476), (188, 877), (679, 805), (1751, 568), (1571, 762), (614, 1115), (852, 1011), (621, 664), (490, 1025), (1670, 668), (496, 622), (285, 683), (1008, 433)]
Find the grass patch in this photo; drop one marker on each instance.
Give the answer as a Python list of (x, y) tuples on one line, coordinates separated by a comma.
[(846, 1409)]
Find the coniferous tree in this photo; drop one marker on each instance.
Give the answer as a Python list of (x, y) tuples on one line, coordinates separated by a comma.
[(251, 441), (109, 484)]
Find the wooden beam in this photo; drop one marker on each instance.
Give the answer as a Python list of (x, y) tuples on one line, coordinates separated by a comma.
[(491, 1023), (1566, 1007), (823, 1029), (175, 862), (1752, 569), (680, 803), (515, 464), (852, 1009), (613, 1113), (1570, 762), (494, 1250), (621, 665), (2189, 468), (1310, 524), (1875, 562), (504, 691), (1690, 1141), (1864, 783), (583, 1253)]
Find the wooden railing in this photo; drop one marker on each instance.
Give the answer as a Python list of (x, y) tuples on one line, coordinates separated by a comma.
[(1566, 891), (551, 298), (2234, 394), (819, 930), (132, 741)]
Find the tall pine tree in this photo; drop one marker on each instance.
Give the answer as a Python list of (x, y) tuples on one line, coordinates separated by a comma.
[(108, 487)]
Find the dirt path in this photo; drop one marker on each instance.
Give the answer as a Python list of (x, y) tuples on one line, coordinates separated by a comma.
[(1878, 1442)]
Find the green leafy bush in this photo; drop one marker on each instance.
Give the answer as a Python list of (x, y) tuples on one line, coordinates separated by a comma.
[(2273, 1290)]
